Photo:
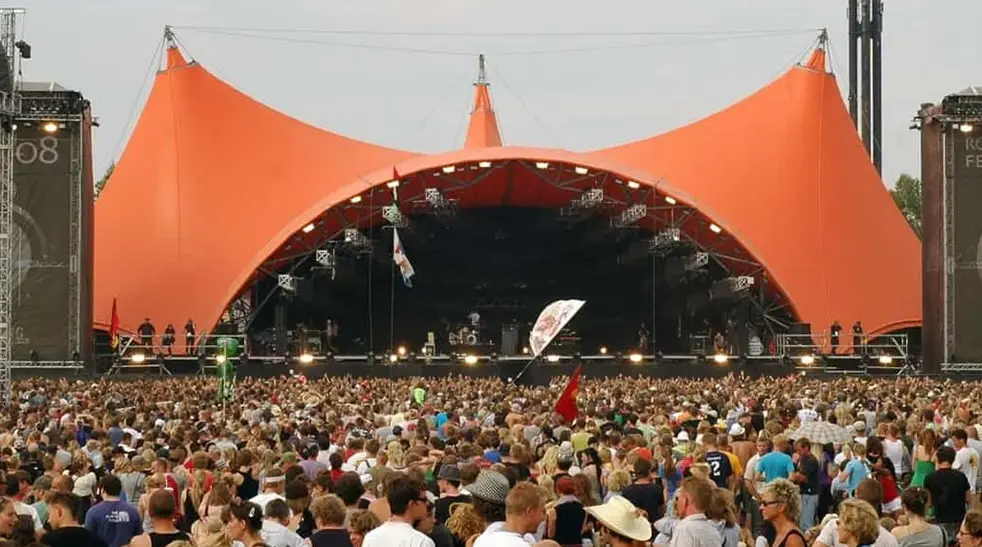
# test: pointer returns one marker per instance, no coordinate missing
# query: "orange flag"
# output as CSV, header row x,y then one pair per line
x,y
114,328
566,405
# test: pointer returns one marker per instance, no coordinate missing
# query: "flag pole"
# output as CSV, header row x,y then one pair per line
x,y
392,301
525,368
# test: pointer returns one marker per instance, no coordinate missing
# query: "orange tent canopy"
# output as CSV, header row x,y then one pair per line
x,y
212,183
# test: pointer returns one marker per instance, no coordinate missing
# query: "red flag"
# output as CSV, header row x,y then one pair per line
x,y
114,328
566,405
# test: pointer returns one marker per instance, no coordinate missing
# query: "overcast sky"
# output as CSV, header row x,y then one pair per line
x,y
578,92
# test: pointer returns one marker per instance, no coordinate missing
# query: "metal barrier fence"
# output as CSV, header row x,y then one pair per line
x,y
893,345
205,344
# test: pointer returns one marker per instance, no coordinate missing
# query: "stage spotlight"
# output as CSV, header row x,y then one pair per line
x,y
966,128
670,200
716,229
220,358
525,350
542,164
635,358
449,169
49,127
807,360
552,358
138,358
306,358
721,358
470,359
392,184
401,350
603,350
308,228
886,360
484,164
356,199
633,185
581,170
393,358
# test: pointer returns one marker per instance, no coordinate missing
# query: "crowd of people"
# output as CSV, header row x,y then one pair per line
x,y
468,462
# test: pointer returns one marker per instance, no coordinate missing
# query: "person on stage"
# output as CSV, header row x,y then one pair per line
x,y
189,337
834,331
643,335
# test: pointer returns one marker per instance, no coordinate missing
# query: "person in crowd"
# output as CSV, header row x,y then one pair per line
x,y
858,523
694,497
950,491
275,529
360,524
871,492
647,491
524,512
918,532
776,464
807,476
970,530
329,530
8,518
246,524
407,504
65,528
112,519
780,505
448,481
566,518
162,510
620,523
274,483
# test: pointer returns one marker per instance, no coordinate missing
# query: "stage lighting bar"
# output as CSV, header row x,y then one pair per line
x,y
589,199
697,261
395,217
962,106
741,283
287,282
667,238
326,258
438,202
356,239
631,215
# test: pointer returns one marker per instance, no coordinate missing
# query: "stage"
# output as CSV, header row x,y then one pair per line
x,y
506,368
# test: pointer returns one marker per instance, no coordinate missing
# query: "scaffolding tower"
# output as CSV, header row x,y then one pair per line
x,y
9,108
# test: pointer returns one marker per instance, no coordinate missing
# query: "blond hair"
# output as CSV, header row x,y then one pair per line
x,y
860,519
787,494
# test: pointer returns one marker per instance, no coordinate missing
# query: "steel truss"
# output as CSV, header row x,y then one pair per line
x,y
9,108
564,176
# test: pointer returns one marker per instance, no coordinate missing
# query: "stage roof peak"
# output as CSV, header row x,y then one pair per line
x,y
482,131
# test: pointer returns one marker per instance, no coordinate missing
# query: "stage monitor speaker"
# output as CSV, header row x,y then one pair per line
x,y
51,278
963,298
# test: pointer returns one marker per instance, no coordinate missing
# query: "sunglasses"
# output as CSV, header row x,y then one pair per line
x,y
764,503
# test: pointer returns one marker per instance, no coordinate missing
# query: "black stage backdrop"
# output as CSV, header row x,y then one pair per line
x,y
40,248
967,172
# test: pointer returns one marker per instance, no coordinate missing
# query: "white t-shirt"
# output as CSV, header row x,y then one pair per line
x,y
277,535
396,534
895,451
967,461
262,499
830,536
495,535
25,510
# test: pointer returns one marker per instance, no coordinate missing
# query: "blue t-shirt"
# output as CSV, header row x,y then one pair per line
x,y
775,465
116,522
492,456
856,472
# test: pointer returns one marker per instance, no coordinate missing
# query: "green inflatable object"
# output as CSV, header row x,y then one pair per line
x,y
228,346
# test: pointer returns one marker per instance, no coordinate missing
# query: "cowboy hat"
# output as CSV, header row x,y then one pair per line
x,y
621,517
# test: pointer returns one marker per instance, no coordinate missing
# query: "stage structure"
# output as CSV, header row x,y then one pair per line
x,y
52,212
740,190
951,147
10,54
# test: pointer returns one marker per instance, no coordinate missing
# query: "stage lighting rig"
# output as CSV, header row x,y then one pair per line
x,y
356,240
327,259
697,261
439,203
287,282
630,215
739,284
394,216
666,238
592,197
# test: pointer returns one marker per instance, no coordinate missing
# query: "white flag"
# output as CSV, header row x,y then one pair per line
x,y
551,320
401,260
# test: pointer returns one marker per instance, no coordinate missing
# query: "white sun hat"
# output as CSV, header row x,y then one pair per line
x,y
621,517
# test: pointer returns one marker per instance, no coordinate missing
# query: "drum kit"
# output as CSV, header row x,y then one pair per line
x,y
464,336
